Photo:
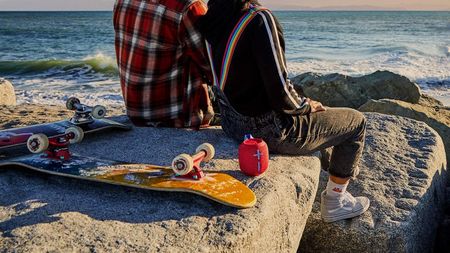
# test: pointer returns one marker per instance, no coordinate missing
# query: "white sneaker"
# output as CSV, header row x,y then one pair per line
x,y
341,208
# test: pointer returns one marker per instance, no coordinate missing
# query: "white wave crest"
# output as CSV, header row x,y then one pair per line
x,y
416,67
427,71
102,60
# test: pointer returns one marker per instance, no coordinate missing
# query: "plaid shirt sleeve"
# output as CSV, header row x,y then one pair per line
x,y
199,107
194,43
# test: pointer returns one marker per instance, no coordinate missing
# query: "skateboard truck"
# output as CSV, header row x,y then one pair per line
x,y
84,114
188,167
56,147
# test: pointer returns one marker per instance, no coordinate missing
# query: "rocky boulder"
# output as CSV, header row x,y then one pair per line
x,y
43,213
437,117
427,100
403,173
7,94
344,91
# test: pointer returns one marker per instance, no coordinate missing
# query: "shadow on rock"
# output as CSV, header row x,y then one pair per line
x,y
37,198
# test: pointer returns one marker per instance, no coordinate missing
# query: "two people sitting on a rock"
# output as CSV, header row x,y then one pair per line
x,y
163,65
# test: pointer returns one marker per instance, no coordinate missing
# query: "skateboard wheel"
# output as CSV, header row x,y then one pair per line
x,y
70,103
209,149
37,143
98,112
182,164
77,132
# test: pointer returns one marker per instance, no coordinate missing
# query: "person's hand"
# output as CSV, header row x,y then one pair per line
x,y
316,106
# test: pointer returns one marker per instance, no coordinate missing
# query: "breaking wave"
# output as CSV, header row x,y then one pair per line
x,y
99,63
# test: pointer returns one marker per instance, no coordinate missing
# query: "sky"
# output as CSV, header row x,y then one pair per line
x,y
444,5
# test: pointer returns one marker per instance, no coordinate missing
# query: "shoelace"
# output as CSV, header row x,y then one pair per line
x,y
348,198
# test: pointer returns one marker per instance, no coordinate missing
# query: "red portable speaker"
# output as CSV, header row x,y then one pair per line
x,y
253,156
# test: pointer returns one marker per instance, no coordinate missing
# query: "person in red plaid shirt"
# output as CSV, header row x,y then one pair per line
x,y
163,65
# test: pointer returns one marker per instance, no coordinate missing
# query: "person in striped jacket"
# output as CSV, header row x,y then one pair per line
x,y
247,53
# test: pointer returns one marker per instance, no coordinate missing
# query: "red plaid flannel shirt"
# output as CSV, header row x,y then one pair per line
x,y
163,65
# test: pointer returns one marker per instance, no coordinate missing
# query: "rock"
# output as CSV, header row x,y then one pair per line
x,y
344,91
430,101
7,94
437,117
404,175
49,213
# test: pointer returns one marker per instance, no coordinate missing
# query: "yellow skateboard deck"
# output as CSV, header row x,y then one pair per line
x,y
219,187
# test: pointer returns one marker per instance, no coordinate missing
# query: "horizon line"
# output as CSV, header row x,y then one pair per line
x,y
274,9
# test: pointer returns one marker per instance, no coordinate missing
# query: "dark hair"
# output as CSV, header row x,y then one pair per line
x,y
220,16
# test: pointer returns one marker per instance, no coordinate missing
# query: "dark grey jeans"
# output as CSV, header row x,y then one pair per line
x,y
341,128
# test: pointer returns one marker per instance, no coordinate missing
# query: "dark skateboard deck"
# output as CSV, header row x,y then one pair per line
x,y
12,141
219,187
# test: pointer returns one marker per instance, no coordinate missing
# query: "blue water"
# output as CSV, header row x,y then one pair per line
x,y
51,55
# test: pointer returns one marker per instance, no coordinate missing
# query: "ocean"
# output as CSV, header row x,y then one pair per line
x,y
50,56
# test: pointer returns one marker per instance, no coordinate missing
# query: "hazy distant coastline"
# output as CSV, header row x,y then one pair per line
x,y
280,9
351,8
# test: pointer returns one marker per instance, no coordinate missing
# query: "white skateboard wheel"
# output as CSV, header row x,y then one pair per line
x,y
182,164
98,112
78,132
70,103
209,149
37,143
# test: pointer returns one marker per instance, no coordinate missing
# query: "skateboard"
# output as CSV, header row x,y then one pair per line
x,y
88,119
51,155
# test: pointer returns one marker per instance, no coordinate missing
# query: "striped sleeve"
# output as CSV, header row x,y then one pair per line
x,y
268,50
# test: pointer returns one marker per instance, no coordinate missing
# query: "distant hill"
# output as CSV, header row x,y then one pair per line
x,y
356,8
280,6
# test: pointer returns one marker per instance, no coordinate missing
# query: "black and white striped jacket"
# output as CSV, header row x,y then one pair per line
x,y
258,78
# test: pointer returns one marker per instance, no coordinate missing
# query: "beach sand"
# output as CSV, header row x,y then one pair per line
x,y
29,114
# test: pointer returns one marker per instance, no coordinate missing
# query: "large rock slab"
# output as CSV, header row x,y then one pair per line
x,y
47,213
437,117
403,173
7,94
345,91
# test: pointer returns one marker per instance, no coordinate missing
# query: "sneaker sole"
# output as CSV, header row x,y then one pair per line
x,y
346,216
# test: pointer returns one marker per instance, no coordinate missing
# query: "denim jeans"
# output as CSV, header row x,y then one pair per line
x,y
341,128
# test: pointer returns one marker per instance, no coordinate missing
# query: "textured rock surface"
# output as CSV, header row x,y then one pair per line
x,y
344,91
437,117
403,173
427,100
7,94
48,213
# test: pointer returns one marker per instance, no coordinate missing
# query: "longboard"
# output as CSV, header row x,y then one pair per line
x,y
219,187
186,177
16,138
